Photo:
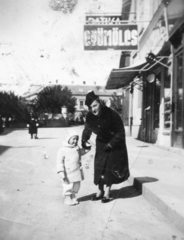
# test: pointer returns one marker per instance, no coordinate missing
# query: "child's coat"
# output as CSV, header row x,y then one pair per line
x,y
69,161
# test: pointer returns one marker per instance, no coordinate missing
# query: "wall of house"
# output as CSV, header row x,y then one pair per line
x,y
80,108
153,39
153,42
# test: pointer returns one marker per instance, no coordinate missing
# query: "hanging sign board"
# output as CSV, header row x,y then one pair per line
x,y
111,37
102,20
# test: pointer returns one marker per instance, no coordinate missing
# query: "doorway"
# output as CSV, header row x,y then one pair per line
x,y
178,106
151,114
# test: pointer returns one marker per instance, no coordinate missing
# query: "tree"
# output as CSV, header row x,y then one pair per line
x,y
13,106
51,99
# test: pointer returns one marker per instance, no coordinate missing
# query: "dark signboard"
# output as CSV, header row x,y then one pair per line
x,y
110,37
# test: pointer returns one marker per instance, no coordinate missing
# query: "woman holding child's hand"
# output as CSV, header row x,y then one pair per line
x,y
111,158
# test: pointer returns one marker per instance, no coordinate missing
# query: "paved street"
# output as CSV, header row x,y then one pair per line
x,y
31,203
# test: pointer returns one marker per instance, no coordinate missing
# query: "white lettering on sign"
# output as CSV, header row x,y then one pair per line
x,y
104,20
111,37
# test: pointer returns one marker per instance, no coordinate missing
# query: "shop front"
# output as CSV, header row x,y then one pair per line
x,y
151,107
177,41
160,119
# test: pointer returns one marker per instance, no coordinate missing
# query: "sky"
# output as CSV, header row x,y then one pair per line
x,y
39,45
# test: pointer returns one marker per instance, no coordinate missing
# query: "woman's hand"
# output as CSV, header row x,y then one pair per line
x,y
85,146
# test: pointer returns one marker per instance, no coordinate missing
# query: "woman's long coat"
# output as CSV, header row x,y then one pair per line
x,y
33,126
109,128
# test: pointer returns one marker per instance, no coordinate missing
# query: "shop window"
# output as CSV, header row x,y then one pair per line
x,y
124,60
167,98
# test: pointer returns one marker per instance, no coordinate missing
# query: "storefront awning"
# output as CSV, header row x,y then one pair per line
x,y
122,77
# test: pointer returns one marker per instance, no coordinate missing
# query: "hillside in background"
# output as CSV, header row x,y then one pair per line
x,y
39,45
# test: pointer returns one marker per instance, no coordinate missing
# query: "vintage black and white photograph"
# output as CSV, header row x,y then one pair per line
x,y
91,119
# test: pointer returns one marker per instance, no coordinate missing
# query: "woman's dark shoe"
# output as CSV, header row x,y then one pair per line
x,y
105,200
95,198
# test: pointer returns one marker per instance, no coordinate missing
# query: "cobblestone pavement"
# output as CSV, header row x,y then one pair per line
x,y
31,203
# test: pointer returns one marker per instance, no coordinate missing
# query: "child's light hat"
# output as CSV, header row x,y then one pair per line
x,y
71,133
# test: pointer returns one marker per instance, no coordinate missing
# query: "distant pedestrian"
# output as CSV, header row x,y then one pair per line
x,y
7,122
44,122
111,158
33,128
69,167
81,119
1,125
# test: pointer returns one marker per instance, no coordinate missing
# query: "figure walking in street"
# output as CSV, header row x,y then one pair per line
x,y
69,167
1,124
111,158
33,128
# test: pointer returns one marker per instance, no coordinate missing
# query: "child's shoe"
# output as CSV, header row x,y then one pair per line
x,y
68,201
74,200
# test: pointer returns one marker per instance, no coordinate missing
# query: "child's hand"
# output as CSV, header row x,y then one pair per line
x,y
62,175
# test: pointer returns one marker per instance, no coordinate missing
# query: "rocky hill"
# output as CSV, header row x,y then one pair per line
x,y
39,45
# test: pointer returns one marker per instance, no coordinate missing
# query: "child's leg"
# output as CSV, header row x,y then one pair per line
x,y
67,192
76,187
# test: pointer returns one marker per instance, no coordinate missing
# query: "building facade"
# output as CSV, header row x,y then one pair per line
x,y
79,92
155,74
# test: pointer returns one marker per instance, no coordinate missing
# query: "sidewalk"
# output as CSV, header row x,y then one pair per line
x,y
159,175
31,203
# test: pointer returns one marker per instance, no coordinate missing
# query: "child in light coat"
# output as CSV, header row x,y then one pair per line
x,y
69,167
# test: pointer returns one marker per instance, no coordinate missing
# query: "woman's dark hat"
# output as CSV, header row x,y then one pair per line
x,y
90,97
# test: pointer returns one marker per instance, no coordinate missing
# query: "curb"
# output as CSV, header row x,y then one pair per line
x,y
171,149
155,195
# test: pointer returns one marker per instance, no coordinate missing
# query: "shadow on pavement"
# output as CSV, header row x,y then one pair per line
x,y
142,146
7,131
125,192
85,198
26,147
4,148
47,138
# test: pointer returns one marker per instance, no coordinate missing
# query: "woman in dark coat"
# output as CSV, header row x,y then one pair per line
x,y
33,126
111,158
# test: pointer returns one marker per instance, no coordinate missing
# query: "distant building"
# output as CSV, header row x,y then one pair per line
x,y
79,92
